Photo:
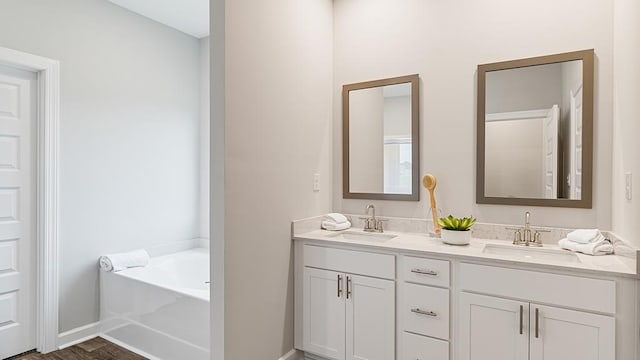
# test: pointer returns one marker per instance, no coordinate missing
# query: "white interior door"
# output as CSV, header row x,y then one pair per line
x,y
575,118
550,137
17,245
370,318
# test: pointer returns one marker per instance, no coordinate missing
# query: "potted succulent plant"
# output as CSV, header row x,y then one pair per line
x,y
456,231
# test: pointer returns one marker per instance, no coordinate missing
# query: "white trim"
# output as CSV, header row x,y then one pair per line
x,y
292,355
174,247
128,347
78,335
47,191
517,115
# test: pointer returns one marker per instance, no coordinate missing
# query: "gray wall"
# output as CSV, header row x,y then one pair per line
x,y
626,114
278,134
129,133
444,41
530,88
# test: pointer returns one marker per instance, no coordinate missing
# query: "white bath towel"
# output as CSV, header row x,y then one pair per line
x,y
118,262
337,218
330,225
585,236
602,247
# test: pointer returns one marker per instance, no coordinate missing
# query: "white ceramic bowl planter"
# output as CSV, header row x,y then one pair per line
x,y
455,237
456,231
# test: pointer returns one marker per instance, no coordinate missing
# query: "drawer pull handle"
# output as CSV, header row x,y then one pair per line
x,y
349,287
339,285
424,272
423,312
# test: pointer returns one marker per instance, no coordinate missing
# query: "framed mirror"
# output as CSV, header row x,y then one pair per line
x,y
535,131
380,139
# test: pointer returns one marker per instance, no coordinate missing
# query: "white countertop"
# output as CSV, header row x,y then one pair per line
x,y
424,245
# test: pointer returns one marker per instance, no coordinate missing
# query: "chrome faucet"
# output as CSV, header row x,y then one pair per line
x,y
372,224
526,232
523,236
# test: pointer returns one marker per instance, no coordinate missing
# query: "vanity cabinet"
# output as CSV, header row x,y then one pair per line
x,y
494,328
348,315
357,303
567,334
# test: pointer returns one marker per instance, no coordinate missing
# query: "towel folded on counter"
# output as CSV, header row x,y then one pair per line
x,y
330,225
121,261
600,247
336,218
335,222
585,236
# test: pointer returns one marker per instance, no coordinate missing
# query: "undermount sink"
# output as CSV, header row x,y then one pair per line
x,y
529,253
363,236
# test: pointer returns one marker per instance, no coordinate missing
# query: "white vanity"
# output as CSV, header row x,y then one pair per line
x,y
407,296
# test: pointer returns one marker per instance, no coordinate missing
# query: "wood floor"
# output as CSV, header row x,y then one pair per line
x,y
94,349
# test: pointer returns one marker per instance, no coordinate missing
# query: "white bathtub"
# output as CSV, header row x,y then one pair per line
x,y
162,310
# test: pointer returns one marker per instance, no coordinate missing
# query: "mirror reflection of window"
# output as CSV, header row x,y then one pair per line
x,y
380,121
397,139
380,150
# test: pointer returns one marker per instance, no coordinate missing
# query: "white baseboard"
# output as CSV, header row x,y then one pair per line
x,y
78,335
292,355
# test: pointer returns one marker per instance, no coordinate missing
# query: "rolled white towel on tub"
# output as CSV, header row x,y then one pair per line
x,y
121,261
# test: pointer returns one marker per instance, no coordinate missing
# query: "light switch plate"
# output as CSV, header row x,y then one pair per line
x,y
316,182
628,185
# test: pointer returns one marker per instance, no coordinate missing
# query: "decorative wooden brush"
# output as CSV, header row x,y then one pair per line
x,y
429,181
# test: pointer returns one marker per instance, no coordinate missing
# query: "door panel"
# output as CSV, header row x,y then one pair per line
x,y
491,329
550,146
370,318
567,334
324,313
17,247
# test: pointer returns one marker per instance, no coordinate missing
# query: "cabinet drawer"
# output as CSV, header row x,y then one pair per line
x,y
570,291
425,271
423,348
351,261
425,310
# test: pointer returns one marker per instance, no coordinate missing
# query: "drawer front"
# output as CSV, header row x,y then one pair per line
x,y
423,348
425,310
351,261
425,271
570,291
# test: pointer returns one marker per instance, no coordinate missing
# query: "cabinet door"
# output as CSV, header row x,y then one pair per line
x,y
324,313
370,318
566,334
492,328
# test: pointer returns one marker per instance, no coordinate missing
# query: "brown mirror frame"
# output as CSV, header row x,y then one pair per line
x,y
587,57
415,138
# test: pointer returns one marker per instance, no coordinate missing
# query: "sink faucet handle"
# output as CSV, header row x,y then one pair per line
x,y
517,235
379,222
537,238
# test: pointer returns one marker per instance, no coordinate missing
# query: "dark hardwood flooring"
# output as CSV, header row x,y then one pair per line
x,y
94,349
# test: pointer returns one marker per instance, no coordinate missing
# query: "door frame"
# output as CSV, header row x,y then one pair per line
x,y
46,192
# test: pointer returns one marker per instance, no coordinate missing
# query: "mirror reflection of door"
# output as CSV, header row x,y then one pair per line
x,y
575,150
533,132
